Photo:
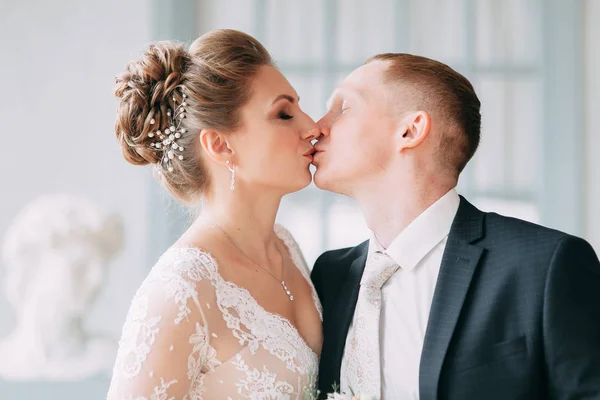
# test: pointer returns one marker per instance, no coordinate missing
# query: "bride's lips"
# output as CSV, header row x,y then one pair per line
x,y
309,154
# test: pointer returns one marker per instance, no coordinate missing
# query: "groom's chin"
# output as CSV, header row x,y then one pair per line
x,y
317,178
320,179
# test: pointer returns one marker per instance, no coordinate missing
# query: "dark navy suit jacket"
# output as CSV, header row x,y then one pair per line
x,y
515,313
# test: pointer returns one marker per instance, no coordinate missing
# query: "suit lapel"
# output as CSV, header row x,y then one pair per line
x,y
342,315
456,272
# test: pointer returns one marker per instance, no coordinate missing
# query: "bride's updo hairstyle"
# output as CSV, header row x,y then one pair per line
x,y
169,95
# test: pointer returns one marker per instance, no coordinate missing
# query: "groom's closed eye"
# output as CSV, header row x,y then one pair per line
x,y
334,104
337,106
344,108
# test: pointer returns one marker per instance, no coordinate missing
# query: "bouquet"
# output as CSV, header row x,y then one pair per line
x,y
337,395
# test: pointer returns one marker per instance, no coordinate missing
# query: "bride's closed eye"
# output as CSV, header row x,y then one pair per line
x,y
283,115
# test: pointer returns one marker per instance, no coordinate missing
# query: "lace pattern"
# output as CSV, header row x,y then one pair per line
x,y
160,392
180,313
139,333
261,384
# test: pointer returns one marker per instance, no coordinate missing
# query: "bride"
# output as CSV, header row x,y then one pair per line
x,y
229,310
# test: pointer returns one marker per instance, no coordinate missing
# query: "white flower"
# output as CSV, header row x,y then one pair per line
x,y
346,396
337,396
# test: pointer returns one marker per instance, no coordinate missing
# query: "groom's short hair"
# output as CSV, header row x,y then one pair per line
x,y
442,92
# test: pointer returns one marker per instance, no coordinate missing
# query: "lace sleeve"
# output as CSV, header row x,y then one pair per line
x,y
292,245
164,345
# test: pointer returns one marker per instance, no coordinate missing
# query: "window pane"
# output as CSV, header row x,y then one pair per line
x,y
438,29
508,31
507,160
364,29
490,159
310,88
295,30
217,15
525,133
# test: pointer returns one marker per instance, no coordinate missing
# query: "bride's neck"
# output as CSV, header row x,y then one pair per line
x,y
247,216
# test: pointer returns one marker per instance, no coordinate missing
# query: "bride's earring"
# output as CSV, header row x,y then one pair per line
x,y
232,169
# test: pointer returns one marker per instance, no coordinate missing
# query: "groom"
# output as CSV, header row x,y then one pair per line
x,y
444,301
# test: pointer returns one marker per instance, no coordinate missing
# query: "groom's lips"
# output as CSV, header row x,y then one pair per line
x,y
318,151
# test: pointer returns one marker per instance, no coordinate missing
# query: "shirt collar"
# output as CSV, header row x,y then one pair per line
x,y
421,235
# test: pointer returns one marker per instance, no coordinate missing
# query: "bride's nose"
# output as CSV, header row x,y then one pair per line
x,y
310,129
311,134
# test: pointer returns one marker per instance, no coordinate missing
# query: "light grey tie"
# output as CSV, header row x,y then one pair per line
x,y
362,369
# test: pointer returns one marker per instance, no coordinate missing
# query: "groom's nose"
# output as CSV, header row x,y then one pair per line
x,y
324,125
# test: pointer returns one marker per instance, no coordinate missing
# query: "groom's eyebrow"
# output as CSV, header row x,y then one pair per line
x,y
340,92
332,98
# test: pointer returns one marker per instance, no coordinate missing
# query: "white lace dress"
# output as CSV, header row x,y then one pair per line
x,y
190,334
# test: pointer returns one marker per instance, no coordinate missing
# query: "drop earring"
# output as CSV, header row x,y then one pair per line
x,y
232,169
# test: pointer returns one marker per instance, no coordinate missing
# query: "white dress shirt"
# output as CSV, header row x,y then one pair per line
x,y
408,294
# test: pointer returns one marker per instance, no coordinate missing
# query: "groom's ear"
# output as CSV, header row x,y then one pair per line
x,y
215,145
413,130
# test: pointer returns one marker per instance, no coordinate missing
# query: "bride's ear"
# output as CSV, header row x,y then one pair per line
x,y
215,145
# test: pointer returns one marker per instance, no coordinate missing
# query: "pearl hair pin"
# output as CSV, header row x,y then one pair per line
x,y
167,139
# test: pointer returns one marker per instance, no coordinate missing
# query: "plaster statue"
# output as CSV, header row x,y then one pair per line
x,y
55,257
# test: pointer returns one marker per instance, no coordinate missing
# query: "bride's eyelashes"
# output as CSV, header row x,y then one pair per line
x,y
284,116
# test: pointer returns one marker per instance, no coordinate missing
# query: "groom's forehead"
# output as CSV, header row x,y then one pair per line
x,y
370,73
363,82
348,91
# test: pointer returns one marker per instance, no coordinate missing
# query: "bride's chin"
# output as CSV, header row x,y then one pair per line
x,y
302,183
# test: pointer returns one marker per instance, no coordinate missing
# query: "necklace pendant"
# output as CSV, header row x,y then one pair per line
x,y
287,291
285,288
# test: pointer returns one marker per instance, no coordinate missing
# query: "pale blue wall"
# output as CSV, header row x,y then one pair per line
x,y
58,65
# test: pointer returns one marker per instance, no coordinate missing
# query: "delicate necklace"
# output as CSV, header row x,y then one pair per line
x,y
281,281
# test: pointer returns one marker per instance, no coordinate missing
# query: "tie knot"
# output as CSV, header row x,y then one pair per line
x,y
379,268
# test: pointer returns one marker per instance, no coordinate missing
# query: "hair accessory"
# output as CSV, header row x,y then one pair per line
x,y
167,139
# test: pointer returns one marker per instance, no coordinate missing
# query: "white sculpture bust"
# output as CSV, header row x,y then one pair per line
x,y
54,256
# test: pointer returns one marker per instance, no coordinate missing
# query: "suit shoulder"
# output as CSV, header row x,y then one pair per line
x,y
522,231
339,259
341,255
518,237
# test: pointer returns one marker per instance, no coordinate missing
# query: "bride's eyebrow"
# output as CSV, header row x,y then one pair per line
x,y
287,97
